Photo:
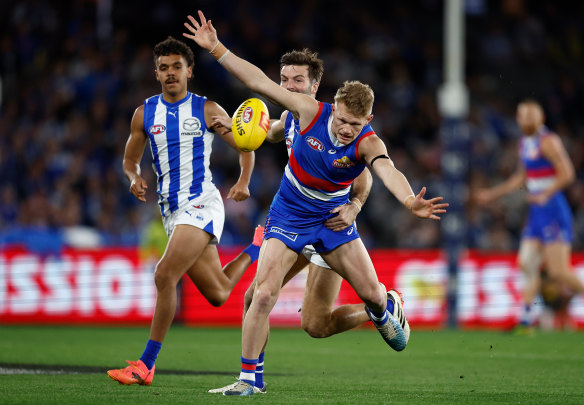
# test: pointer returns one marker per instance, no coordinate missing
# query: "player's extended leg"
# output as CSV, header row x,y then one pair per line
x,y
352,262
213,281
319,317
529,260
183,249
274,262
260,385
557,257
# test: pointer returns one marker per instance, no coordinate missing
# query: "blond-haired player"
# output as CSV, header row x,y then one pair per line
x,y
301,72
315,182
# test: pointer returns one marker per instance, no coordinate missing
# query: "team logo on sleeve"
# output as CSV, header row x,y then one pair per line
x,y
315,144
343,163
157,129
191,127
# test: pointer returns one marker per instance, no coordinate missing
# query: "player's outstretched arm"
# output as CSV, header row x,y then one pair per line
x,y
205,35
372,149
133,155
487,195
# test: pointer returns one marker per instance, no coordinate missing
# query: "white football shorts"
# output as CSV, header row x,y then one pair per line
x,y
310,253
205,212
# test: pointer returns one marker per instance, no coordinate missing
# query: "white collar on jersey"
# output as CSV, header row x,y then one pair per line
x,y
332,137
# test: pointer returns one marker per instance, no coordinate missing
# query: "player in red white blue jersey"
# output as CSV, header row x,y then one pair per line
x,y
176,125
322,183
301,72
545,169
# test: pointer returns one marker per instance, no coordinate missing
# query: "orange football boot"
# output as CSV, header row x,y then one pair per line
x,y
135,373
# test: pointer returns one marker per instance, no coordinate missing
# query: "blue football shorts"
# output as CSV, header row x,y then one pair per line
x,y
551,222
293,232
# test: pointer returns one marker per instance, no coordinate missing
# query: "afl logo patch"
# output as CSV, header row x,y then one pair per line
x,y
314,144
288,143
157,129
247,115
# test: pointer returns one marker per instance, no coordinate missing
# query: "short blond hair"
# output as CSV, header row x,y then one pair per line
x,y
357,97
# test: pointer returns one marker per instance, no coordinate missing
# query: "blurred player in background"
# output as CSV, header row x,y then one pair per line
x,y
335,145
176,123
301,72
545,168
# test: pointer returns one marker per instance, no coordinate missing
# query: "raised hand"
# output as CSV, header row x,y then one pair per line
x,y
428,208
203,33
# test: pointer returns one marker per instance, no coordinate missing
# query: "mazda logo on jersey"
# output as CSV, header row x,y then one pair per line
x,y
191,124
157,129
192,127
315,144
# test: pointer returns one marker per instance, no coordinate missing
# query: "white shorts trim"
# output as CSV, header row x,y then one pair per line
x,y
205,212
313,257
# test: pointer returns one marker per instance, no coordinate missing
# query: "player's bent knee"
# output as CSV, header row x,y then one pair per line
x,y
315,330
216,298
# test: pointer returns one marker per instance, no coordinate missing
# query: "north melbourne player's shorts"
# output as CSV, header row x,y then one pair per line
x,y
205,212
310,253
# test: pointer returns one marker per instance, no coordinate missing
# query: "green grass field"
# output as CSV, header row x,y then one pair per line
x,y
441,367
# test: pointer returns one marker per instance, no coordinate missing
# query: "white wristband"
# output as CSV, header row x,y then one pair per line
x,y
222,58
359,205
406,200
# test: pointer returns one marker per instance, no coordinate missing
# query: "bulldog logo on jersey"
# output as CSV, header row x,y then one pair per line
x,y
192,127
157,129
343,163
315,144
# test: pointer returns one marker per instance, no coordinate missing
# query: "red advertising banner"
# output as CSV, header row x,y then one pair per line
x,y
79,286
488,295
112,286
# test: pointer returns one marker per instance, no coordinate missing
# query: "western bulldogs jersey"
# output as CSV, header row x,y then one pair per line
x,y
540,172
552,221
320,169
181,148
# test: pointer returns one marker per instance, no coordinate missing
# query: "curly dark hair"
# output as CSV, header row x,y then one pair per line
x,y
304,57
172,46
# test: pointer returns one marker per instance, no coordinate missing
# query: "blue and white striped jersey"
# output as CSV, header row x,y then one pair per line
x,y
181,148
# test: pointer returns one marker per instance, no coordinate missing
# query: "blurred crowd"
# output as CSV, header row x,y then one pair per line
x,y
73,72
